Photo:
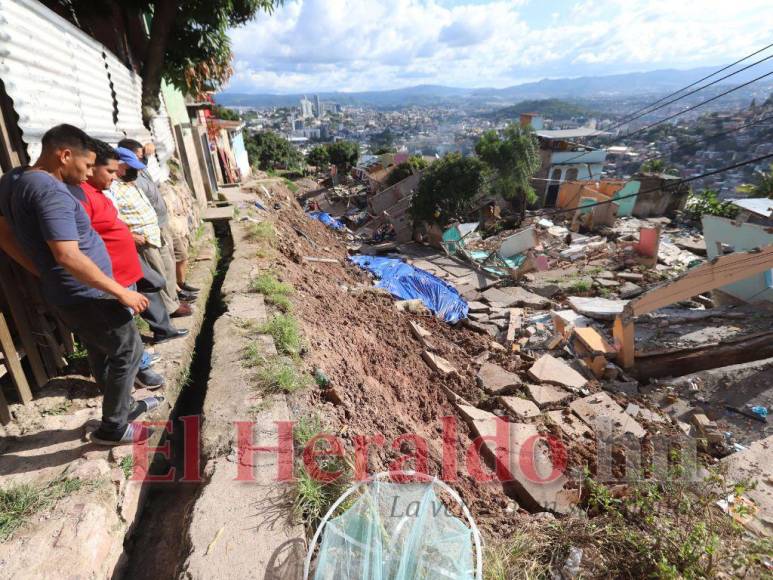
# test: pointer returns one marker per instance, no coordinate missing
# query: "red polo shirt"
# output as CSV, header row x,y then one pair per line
x,y
116,235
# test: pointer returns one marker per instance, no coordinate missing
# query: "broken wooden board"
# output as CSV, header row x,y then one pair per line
x,y
593,341
514,324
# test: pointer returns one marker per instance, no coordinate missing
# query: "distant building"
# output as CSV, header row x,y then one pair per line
x,y
307,109
318,106
563,158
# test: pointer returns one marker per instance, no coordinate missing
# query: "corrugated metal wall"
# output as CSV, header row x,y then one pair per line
x,y
55,73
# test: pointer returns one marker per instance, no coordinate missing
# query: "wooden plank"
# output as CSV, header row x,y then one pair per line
x,y
11,361
719,272
5,412
21,321
516,320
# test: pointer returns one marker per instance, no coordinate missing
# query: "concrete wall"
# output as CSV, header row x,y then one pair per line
x,y
572,192
655,200
391,195
741,236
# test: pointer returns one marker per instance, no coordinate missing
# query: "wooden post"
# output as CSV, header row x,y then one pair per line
x,y
11,360
21,320
5,412
623,332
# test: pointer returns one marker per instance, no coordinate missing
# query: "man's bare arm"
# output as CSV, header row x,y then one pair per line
x,y
68,255
11,247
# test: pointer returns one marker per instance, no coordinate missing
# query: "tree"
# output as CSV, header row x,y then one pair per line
x,y
318,157
656,166
220,112
188,43
448,188
763,187
343,154
267,150
513,158
707,202
405,169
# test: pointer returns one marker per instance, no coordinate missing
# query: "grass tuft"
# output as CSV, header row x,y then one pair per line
x,y
275,292
19,503
275,374
285,331
262,232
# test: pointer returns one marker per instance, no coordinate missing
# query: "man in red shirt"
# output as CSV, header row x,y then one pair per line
x,y
127,266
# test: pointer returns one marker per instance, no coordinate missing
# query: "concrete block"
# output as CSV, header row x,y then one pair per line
x,y
549,369
494,379
605,416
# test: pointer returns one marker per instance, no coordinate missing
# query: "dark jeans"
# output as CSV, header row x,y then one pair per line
x,y
107,330
156,314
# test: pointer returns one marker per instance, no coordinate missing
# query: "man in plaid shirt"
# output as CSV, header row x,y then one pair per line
x,y
137,212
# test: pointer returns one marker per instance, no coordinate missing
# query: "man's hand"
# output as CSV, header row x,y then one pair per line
x,y
134,300
139,240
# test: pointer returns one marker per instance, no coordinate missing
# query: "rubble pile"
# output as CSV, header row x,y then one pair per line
x,y
537,348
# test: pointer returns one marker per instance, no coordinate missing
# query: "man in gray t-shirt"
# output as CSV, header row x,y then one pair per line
x,y
46,230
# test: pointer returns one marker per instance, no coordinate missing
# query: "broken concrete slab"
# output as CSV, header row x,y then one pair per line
x,y
598,308
570,425
496,380
522,454
629,290
525,298
630,276
520,408
478,316
418,330
475,306
606,283
604,415
481,328
754,464
438,363
549,369
518,243
497,297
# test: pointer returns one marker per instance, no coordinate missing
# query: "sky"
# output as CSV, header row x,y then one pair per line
x,y
309,46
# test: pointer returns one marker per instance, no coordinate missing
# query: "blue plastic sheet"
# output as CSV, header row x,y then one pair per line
x,y
407,283
327,219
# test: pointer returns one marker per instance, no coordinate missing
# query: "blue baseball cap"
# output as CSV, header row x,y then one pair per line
x,y
127,156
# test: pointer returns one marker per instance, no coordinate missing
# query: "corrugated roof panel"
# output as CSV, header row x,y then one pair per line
x,y
53,72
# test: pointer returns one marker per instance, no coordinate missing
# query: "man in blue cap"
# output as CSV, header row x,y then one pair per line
x,y
136,211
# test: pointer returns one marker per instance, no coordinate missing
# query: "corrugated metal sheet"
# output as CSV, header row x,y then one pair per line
x,y
163,137
54,73
127,86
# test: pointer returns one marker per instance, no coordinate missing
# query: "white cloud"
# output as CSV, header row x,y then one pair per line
x,y
319,45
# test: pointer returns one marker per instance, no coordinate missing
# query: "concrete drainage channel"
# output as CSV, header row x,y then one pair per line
x,y
157,543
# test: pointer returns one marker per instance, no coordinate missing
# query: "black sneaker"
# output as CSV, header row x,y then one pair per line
x,y
189,288
178,333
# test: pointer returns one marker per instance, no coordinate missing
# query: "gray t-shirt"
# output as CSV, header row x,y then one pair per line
x,y
150,189
39,209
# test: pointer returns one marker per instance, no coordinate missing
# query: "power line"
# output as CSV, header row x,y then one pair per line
x,y
714,98
553,211
628,118
710,138
688,109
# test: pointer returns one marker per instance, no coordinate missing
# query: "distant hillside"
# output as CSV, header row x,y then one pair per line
x,y
629,84
551,108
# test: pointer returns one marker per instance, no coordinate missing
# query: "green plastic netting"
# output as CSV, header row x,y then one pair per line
x,y
398,532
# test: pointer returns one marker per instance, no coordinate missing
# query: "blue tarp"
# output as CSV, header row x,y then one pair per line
x,y
327,219
407,283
